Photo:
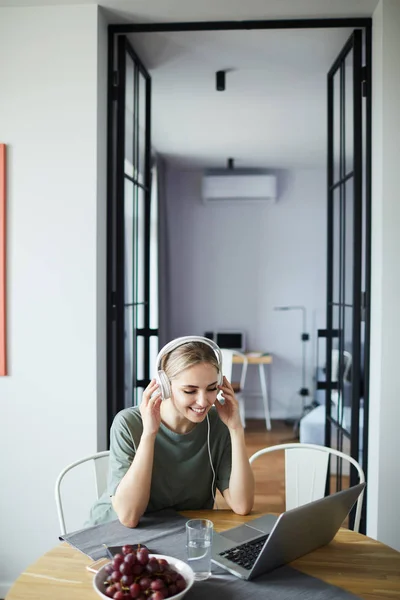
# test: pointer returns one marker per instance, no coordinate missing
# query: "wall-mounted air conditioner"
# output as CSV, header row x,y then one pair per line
x,y
234,185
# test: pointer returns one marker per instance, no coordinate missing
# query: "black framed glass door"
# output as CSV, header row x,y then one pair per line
x,y
132,230
348,257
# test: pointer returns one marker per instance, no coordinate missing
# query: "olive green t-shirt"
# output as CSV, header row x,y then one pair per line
x,y
182,474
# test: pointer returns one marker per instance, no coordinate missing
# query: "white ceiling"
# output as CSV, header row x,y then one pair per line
x,y
273,112
185,10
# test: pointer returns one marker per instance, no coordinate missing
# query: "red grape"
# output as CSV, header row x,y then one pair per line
x,y
119,557
135,590
167,578
180,584
127,549
125,569
117,562
138,576
157,584
144,583
172,589
126,580
153,563
173,576
137,569
130,559
142,556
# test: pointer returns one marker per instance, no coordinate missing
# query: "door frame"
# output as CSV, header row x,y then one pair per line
x,y
338,289
276,24
119,48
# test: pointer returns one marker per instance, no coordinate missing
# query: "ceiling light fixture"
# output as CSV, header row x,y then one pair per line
x,y
220,81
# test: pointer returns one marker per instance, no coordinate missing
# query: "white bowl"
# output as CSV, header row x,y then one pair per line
x,y
179,566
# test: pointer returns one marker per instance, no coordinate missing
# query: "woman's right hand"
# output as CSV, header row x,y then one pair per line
x,y
150,408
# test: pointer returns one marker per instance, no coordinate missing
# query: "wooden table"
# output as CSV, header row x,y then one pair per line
x,y
352,561
261,361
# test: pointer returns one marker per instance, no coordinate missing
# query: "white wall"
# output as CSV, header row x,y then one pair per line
x,y
230,265
384,467
52,109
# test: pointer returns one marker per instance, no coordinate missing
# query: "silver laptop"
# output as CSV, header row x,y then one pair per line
x,y
268,542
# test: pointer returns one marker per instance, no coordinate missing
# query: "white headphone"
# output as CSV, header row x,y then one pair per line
x,y
161,376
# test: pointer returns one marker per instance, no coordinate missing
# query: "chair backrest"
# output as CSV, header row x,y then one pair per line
x,y
306,468
100,464
227,364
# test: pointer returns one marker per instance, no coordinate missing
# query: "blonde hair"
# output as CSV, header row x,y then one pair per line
x,y
187,355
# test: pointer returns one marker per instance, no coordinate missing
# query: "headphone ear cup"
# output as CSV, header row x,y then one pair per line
x,y
165,387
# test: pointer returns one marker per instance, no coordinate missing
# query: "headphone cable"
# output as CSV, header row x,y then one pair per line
x,y
212,467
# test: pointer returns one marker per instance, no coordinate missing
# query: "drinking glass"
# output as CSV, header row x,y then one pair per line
x,y
199,534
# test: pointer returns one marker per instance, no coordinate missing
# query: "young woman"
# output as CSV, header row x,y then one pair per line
x,y
173,453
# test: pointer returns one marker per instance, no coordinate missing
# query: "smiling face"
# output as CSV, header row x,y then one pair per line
x,y
194,391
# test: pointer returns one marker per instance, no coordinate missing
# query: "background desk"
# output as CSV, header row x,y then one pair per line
x,y
261,361
352,561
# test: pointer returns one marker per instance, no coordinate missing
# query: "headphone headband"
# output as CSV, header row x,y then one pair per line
x,y
160,374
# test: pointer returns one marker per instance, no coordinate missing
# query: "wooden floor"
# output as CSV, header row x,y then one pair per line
x,y
269,471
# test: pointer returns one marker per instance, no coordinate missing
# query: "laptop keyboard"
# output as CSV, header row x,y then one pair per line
x,y
246,554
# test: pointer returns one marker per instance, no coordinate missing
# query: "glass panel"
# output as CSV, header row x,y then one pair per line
x,y
334,465
129,114
135,127
336,324
140,357
154,346
348,109
154,252
364,194
363,424
138,395
336,126
336,246
140,255
339,468
347,359
142,128
129,240
129,355
348,250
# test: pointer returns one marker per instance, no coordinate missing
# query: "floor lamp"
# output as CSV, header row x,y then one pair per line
x,y
304,391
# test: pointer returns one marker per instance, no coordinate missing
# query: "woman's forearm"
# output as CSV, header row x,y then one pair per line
x,y
132,496
240,496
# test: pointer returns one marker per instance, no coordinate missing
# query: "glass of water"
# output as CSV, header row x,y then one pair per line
x,y
199,534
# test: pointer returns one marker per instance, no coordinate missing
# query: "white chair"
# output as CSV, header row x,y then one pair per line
x,y
100,463
227,367
306,467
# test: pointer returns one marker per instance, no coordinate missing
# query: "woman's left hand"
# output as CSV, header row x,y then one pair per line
x,y
229,411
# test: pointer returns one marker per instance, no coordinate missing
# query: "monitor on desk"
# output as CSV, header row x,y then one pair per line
x,y
230,339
